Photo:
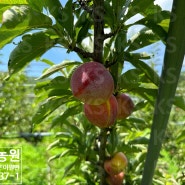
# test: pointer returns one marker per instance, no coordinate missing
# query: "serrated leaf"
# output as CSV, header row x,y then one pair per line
x,y
68,112
70,166
151,74
139,140
181,137
46,108
153,21
15,15
132,79
31,46
83,32
61,92
136,120
59,82
54,144
140,105
144,7
55,8
54,157
58,67
67,18
148,94
141,39
20,19
179,102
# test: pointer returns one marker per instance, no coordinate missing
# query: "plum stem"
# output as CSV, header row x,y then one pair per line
x,y
103,141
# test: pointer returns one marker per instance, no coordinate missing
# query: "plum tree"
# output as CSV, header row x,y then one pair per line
x,y
92,83
125,106
103,115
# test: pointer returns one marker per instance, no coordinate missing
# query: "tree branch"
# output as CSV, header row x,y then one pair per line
x,y
82,52
98,15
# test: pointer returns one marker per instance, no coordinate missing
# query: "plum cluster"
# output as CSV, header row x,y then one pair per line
x,y
93,84
115,168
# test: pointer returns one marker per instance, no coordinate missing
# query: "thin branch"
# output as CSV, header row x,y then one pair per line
x,y
82,52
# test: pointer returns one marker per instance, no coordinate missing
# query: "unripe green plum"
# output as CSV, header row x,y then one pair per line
x,y
92,83
103,115
125,106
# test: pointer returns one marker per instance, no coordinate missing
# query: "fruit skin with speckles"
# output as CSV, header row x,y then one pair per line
x,y
125,106
103,115
116,164
115,179
92,83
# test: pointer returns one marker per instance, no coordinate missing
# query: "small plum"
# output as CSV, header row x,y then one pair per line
x,y
103,115
125,106
116,164
115,179
92,83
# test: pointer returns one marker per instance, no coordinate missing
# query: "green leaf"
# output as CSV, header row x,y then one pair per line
x,y
109,15
15,15
58,82
13,2
153,21
68,18
139,140
68,112
70,166
46,108
179,102
151,74
141,39
58,67
55,8
83,32
19,19
31,46
133,78
37,5
144,7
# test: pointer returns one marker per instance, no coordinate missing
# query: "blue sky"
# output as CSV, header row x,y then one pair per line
x,y
57,55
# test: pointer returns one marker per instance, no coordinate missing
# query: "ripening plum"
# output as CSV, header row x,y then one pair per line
x,y
116,164
125,106
103,115
115,179
92,83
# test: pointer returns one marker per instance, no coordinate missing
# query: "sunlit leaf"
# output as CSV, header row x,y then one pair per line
x,y
141,39
19,19
46,108
58,67
31,46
